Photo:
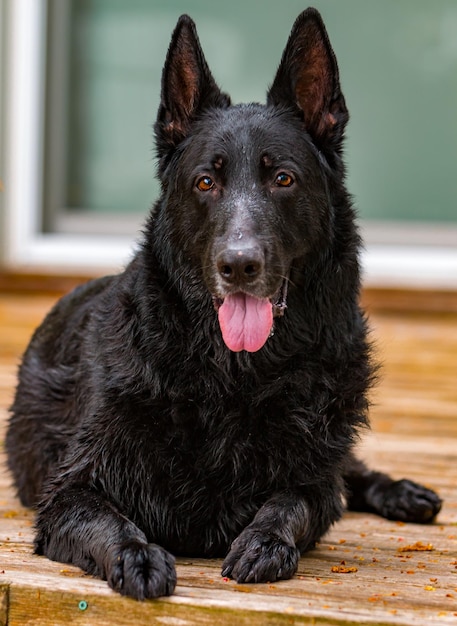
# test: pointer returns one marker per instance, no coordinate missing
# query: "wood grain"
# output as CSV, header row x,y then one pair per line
x,y
414,433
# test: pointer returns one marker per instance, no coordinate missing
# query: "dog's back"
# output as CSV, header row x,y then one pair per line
x,y
47,410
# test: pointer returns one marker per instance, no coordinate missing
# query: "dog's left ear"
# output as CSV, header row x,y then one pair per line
x,y
188,87
308,79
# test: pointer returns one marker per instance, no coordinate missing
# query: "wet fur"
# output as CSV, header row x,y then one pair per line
x,y
134,431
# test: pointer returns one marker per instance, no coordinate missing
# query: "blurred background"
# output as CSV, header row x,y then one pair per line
x,y
80,90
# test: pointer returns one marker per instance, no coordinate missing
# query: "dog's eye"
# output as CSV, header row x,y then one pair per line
x,y
284,180
205,183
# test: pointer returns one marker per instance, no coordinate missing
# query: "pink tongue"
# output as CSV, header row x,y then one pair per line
x,y
245,322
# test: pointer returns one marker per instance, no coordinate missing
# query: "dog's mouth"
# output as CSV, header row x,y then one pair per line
x,y
246,321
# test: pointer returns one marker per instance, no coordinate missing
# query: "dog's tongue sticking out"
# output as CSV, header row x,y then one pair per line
x,y
245,322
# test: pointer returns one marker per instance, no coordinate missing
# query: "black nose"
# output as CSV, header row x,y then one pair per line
x,y
239,265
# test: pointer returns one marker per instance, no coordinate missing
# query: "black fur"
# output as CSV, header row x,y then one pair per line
x,y
135,431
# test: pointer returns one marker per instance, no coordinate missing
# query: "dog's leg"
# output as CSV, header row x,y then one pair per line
x,y
284,527
78,526
402,500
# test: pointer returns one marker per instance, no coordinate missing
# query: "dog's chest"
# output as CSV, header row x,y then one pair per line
x,y
241,446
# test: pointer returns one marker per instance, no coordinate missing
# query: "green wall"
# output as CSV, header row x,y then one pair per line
x,y
398,65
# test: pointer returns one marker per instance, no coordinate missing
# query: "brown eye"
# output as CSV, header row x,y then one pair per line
x,y
205,183
284,180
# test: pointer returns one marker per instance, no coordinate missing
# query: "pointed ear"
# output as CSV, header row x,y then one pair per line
x,y
188,87
308,78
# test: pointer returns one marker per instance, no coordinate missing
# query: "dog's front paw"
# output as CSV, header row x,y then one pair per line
x,y
258,557
407,501
140,570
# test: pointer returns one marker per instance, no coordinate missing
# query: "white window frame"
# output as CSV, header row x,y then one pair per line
x,y
24,244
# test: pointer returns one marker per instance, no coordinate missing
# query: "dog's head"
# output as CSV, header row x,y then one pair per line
x,y
246,187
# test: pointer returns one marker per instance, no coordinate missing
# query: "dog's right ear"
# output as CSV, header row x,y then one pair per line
x,y
188,87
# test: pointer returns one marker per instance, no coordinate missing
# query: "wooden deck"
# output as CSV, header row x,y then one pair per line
x,y
398,574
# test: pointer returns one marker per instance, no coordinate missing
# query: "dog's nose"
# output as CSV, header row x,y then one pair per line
x,y
240,265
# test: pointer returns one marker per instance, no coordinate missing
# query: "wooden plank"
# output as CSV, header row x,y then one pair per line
x,y
418,390
414,435
401,299
47,281
4,602
51,281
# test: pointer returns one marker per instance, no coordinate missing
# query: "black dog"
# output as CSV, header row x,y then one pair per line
x,y
206,400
